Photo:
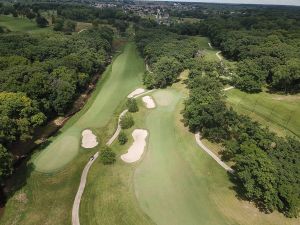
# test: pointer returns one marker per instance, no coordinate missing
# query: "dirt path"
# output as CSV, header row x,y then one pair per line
x,y
208,151
76,205
219,56
209,44
228,88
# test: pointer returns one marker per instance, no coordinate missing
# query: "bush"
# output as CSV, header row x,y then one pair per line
x,y
122,138
107,156
132,105
127,122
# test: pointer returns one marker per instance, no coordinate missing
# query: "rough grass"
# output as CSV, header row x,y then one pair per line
x,y
21,24
280,113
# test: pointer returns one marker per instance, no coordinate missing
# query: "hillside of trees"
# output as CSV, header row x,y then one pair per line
x,y
265,42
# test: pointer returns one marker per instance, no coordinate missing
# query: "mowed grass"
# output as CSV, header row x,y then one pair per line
x,y
124,76
178,183
280,113
47,198
21,24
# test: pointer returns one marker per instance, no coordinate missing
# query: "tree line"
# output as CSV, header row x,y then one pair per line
x,y
265,42
266,166
40,77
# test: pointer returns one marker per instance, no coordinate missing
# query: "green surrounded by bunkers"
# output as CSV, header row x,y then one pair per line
x,y
175,182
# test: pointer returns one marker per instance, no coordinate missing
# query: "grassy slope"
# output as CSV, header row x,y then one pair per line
x,y
125,74
279,112
177,183
21,24
48,198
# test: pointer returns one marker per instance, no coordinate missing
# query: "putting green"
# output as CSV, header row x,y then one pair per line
x,y
177,183
122,77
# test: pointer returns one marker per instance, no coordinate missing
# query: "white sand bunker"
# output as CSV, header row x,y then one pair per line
x,y
136,150
136,92
89,140
150,104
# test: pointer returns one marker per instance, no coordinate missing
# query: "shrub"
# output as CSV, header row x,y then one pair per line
x,y
127,122
122,138
107,156
132,105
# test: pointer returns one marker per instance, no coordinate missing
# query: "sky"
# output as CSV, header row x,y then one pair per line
x,y
270,2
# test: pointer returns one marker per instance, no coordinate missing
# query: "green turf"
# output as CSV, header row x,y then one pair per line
x,y
123,77
178,183
280,113
21,24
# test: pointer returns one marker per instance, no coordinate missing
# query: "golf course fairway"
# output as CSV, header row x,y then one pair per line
x,y
177,183
123,76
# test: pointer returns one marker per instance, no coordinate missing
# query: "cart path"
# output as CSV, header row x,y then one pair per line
x,y
75,209
118,130
208,151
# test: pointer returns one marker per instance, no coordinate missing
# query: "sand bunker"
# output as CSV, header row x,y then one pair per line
x,y
89,140
136,92
150,104
136,150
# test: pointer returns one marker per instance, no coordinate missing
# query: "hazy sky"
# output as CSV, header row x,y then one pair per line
x,y
273,2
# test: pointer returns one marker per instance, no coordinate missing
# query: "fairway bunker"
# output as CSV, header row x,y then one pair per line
x,y
136,150
149,102
136,92
89,140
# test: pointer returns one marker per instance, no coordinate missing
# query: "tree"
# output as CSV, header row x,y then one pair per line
x,y
251,76
127,121
165,72
122,138
257,174
6,166
18,117
59,24
287,77
69,26
132,105
107,156
41,21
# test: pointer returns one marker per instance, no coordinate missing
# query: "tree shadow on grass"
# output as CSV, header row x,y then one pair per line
x,y
240,193
23,168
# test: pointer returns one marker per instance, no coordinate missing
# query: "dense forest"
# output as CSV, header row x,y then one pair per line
x,y
266,166
265,42
41,75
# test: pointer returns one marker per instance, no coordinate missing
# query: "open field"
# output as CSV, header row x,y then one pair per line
x,y
280,113
47,198
21,24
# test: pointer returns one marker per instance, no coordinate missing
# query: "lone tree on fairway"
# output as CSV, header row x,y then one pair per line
x,y
132,105
127,122
107,156
122,138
